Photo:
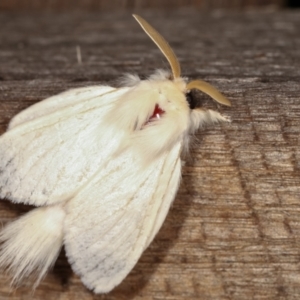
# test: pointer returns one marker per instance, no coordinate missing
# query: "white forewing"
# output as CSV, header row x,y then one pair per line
x,y
166,190
57,102
121,209
45,160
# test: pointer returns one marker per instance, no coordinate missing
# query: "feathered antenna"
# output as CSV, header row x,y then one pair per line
x,y
162,44
175,66
209,90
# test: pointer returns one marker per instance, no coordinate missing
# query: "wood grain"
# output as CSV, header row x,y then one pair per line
x,y
234,229
113,5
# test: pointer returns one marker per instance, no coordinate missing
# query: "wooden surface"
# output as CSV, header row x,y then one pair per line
x,y
113,5
234,229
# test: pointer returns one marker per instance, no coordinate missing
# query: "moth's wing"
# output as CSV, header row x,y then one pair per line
x,y
57,102
45,160
114,217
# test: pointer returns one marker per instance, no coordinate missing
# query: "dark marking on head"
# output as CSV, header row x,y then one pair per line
x,y
191,100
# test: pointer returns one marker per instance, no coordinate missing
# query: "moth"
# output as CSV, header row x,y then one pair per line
x,y
102,165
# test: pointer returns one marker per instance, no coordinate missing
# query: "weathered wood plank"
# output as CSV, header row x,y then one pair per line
x,y
113,5
234,229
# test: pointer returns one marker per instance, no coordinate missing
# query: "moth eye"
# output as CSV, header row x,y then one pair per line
x,y
191,100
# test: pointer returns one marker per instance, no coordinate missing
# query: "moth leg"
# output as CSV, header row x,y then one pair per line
x,y
201,117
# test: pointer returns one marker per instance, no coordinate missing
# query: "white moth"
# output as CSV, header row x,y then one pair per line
x,y
103,166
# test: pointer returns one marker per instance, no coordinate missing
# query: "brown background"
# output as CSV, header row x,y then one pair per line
x,y
92,5
234,229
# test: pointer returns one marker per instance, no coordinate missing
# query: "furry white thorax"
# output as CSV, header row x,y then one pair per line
x,y
131,114
178,122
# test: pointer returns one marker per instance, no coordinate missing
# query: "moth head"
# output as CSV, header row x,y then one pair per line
x,y
167,51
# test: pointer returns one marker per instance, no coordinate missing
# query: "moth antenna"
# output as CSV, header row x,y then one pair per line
x,y
209,90
162,44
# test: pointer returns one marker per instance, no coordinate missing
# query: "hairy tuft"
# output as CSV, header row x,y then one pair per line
x,y
31,244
